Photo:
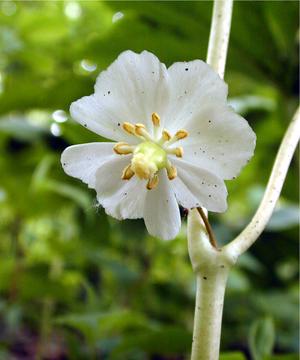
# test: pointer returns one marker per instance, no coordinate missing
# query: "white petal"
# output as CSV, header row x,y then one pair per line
x,y
104,117
219,140
132,88
82,161
122,199
192,85
196,187
162,216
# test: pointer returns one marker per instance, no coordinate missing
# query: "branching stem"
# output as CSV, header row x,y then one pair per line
x,y
259,221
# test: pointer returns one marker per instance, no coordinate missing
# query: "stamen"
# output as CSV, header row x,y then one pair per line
x,y
140,130
166,135
171,171
176,151
129,128
127,173
156,119
181,134
153,182
122,148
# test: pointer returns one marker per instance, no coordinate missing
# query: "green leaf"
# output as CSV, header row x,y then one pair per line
x,y
282,357
164,340
262,338
286,217
99,325
20,128
232,356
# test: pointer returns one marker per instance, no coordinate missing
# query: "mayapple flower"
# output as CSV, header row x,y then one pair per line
x,y
176,141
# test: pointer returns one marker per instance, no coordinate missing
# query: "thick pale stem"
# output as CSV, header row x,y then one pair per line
x,y
219,35
208,314
259,221
210,265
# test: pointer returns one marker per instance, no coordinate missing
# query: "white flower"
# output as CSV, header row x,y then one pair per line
x,y
177,140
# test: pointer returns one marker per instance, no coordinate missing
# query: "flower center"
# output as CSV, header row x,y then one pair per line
x,y
150,155
148,158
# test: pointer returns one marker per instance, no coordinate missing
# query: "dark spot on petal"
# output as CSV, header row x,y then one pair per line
x,y
204,277
209,121
108,92
209,196
215,185
85,125
186,69
119,124
64,164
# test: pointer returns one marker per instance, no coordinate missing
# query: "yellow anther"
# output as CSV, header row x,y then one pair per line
x,y
155,119
166,135
152,183
181,134
122,148
179,151
171,171
176,151
129,128
139,129
127,173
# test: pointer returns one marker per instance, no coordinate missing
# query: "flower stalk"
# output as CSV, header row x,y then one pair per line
x,y
219,35
210,264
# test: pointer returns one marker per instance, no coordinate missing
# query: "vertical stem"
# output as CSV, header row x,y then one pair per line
x,y
219,35
208,314
210,265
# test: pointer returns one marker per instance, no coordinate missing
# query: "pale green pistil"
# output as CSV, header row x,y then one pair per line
x,y
148,158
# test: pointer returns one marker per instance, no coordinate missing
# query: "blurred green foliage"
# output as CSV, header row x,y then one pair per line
x,y
76,284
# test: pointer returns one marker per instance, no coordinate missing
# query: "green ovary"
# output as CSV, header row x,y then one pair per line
x,y
148,158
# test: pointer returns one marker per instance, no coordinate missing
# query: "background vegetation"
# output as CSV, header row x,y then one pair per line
x,y
76,284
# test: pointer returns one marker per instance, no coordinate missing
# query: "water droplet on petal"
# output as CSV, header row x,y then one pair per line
x,y
59,116
117,16
55,129
88,65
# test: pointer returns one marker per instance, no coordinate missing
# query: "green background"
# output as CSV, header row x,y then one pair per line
x,y
76,284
